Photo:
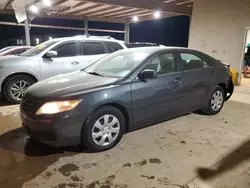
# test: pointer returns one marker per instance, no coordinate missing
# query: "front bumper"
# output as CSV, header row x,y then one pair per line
x,y
55,130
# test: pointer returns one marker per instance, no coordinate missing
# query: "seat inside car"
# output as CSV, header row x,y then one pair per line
x,y
193,64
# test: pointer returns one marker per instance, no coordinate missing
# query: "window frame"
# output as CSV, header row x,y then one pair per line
x,y
93,41
194,53
67,42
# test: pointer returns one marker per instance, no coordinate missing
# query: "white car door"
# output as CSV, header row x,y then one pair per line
x,y
92,51
68,59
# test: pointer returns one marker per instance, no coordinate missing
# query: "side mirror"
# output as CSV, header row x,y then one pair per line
x,y
51,54
147,73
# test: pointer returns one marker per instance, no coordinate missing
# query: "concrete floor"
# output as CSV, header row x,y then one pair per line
x,y
193,151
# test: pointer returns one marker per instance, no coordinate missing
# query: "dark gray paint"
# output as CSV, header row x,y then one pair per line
x,y
141,102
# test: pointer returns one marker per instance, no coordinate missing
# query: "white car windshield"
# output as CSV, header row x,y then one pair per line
x,y
118,64
38,49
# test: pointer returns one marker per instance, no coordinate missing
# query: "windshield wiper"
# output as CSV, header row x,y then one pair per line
x,y
95,73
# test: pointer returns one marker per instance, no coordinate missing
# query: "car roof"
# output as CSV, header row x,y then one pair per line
x,y
153,49
86,37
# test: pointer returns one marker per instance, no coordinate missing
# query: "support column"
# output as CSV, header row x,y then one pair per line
x,y
127,31
27,32
86,26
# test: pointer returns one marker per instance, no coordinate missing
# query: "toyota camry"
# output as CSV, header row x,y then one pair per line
x,y
123,91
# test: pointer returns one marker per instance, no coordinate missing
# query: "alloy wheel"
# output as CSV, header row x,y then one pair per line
x,y
18,89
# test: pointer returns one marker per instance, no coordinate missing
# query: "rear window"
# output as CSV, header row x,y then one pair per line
x,y
113,46
93,48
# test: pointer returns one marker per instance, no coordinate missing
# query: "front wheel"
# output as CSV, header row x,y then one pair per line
x,y
15,88
215,102
103,129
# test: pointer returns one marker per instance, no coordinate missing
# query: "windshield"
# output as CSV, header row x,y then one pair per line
x,y
6,48
38,49
118,64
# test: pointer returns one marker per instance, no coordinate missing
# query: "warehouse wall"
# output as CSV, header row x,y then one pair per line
x,y
218,28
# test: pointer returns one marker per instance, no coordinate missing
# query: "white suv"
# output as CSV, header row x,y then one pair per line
x,y
49,59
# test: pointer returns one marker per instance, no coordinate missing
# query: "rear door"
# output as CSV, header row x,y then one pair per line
x,y
198,77
158,97
92,51
67,60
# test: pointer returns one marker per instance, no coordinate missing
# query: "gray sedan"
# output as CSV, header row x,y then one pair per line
x,y
126,90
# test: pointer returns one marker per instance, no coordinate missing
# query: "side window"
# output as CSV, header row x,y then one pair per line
x,y
113,46
162,64
191,62
67,50
93,48
18,52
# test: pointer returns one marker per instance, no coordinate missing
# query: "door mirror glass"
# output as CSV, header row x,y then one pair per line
x,y
51,54
147,73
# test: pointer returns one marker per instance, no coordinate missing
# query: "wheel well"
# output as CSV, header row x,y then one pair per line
x,y
19,74
223,87
123,111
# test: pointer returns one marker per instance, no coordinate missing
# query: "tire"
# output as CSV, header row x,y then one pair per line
x,y
210,109
89,128
7,88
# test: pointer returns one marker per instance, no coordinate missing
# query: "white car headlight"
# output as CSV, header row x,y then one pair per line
x,y
57,107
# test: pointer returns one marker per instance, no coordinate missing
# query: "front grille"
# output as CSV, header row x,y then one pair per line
x,y
30,107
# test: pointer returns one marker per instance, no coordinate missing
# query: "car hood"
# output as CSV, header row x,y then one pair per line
x,y
12,59
68,84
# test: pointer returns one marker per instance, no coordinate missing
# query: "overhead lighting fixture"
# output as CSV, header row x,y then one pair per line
x,y
50,38
47,2
157,14
135,18
33,8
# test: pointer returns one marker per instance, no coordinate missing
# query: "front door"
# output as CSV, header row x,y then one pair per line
x,y
161,96
68,59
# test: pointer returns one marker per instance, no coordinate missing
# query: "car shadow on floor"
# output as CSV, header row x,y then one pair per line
x,y
4,102
232,160
22,159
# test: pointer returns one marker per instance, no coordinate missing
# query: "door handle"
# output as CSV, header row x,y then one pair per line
x,y
177,80
213,72
75,63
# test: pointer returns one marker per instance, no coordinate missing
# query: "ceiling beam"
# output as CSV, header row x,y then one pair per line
x,y
183,2
84,9
101,10
107,11
7,4
133,13
149,4
116,13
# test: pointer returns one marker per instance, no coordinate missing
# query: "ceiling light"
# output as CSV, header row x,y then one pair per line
x,y
34,9
135,19
47,2
157,14
37,40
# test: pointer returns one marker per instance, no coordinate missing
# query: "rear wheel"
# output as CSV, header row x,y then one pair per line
x,y
216,101
103,129
15,88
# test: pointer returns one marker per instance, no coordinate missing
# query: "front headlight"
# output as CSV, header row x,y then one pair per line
x,y
57,107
